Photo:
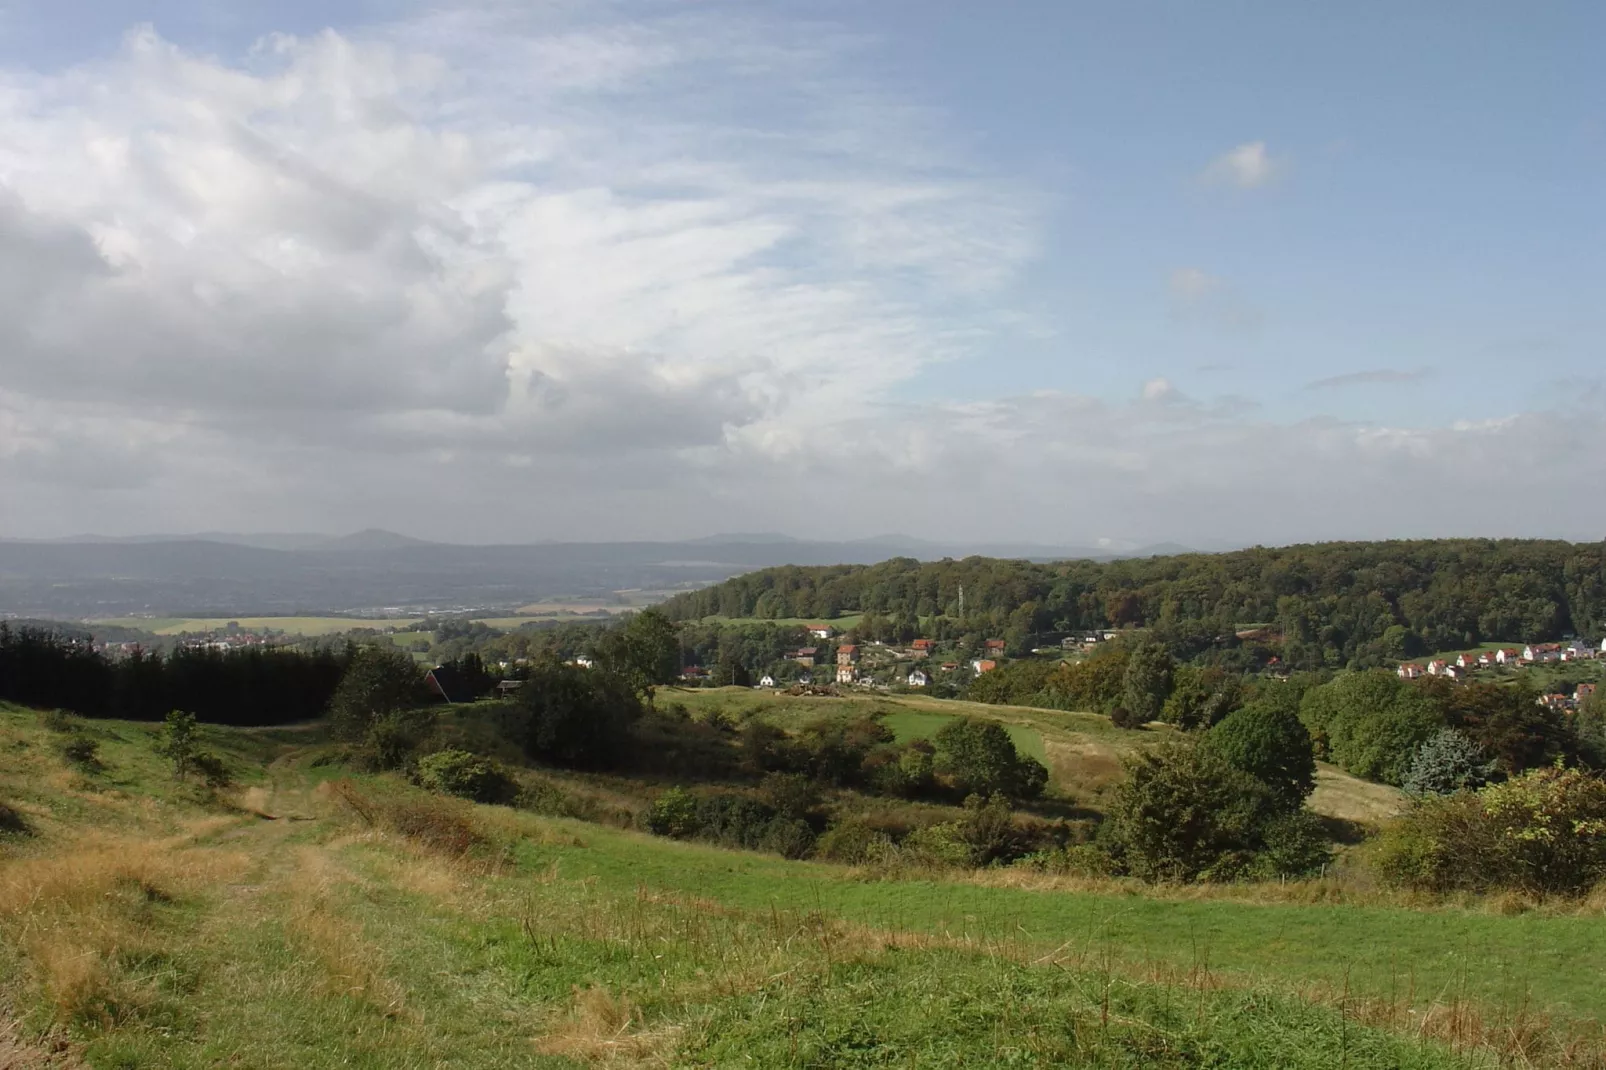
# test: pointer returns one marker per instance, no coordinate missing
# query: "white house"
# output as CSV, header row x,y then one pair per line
x,y
585,661
918,679
1466,661
1437,666
766,680
805,678
845,674
821,631
1410,670
1508,656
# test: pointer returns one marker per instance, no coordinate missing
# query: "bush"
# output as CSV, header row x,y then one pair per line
x,y
57,720
1292,845
979,758
215,772
379,681
1543,833
985,835
674,813
1447,763
1122,717
853,843
82,752
393,738
787,837
577,717
1185,813
467,776
1271,745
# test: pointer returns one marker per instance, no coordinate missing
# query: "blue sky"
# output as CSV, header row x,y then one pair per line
x,y
1102,270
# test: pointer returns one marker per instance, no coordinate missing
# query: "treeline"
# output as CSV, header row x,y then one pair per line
x,y
1326,605
254,686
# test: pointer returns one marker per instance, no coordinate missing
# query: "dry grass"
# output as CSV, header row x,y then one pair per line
x,y
1349,798
604,1029
351,965
1084,767
80,914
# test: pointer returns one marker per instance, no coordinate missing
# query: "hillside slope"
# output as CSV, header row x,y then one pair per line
x,y
312,918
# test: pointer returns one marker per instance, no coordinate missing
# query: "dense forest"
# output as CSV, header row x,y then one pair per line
x,y
48,668
1326,605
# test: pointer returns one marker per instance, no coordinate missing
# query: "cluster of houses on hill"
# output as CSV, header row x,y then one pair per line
x,y
852,663
1461,665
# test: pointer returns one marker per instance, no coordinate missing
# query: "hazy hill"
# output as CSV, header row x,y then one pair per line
x,y
221,574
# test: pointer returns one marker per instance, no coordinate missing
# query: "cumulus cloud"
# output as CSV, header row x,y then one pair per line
x,y
509,274
1247,166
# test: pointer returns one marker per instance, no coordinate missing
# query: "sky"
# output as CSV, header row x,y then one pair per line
x,y
1117,272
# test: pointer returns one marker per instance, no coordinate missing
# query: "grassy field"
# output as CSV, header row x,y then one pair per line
x,y
312,918
310,626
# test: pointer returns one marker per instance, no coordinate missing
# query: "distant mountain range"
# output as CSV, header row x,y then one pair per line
x,y
225,574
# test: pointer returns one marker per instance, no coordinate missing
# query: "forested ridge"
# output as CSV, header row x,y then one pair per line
x,y
1321,605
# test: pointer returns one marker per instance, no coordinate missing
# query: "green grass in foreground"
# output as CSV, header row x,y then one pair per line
x,y
159,931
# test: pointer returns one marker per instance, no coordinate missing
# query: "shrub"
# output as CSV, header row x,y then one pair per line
x,y
979,758
57,720
1147,682
393,738
1543,833
1122,717
1447,763
1292,845
790,795
577,717
215,772
1185,813
1270,745
467,776
82,752
674,813
378,682
787,837
984,835
853,843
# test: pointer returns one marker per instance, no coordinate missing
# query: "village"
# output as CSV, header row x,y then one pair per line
x,y
1509,659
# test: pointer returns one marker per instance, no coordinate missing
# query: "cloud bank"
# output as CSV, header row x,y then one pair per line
x,y
489,276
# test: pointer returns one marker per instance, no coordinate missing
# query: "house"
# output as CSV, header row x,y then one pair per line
x,y
806,656
918,679
585,661
1437,666
694,672
847,654
1508,656
448,685
1486,660
1410,670
805,678
1070,642
1541,652
1554,702
1578,651
822,631
507,687
1584,693
845,673
981,665
922,647
1466,661
1455,672
995,648
766,680
949,666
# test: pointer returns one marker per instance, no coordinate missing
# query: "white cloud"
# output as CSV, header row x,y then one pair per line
x,y
1247,166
